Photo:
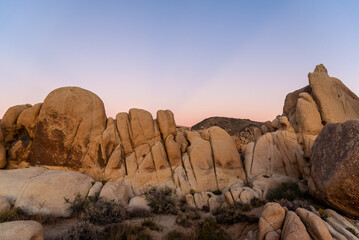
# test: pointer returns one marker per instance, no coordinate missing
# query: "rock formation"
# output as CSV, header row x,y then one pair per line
x,y
70,131
335,166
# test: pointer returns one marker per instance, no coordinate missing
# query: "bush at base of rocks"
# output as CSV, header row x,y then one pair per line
x,y
287,190
16,214
161,200
293,205
104,212
186,216
139,212
231,215
210,230
85,231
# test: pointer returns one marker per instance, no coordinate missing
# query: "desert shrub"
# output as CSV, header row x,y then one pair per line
x,y
16,214
351,230
322,213
210,230
150,223
217,192
293,205
176,235
232,214
79,204
125,232
186,216
161,200
287,190
83,231
87,231
104,212
13,214
139,212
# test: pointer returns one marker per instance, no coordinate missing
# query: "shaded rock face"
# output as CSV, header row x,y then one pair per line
x,y
68,120
244,129
335,166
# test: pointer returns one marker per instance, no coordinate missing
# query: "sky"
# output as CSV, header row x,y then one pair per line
x,y
197,58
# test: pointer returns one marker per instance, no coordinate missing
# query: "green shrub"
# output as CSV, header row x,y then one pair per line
x,y
79,204
217,192
287,190
104,212
161,200
351,230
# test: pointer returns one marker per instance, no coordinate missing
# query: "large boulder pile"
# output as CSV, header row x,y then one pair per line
x,y
277,223
70,131
335,166
287,151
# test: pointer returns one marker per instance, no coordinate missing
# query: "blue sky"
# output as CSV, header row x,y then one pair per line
x,y
197,58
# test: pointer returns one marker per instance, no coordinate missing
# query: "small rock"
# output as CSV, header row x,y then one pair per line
x,y
114,191
271,220
190,200
95,190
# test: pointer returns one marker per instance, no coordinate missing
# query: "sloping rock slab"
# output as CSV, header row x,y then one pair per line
x,y
42,191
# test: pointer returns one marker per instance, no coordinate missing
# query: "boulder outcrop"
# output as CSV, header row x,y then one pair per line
x,y
43,191
336,102
335,166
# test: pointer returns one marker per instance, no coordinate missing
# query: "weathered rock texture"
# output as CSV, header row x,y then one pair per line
x,y
42,191
335,166
21,230
336,102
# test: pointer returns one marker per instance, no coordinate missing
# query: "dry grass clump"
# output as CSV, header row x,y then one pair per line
x,y
105,212
161,200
